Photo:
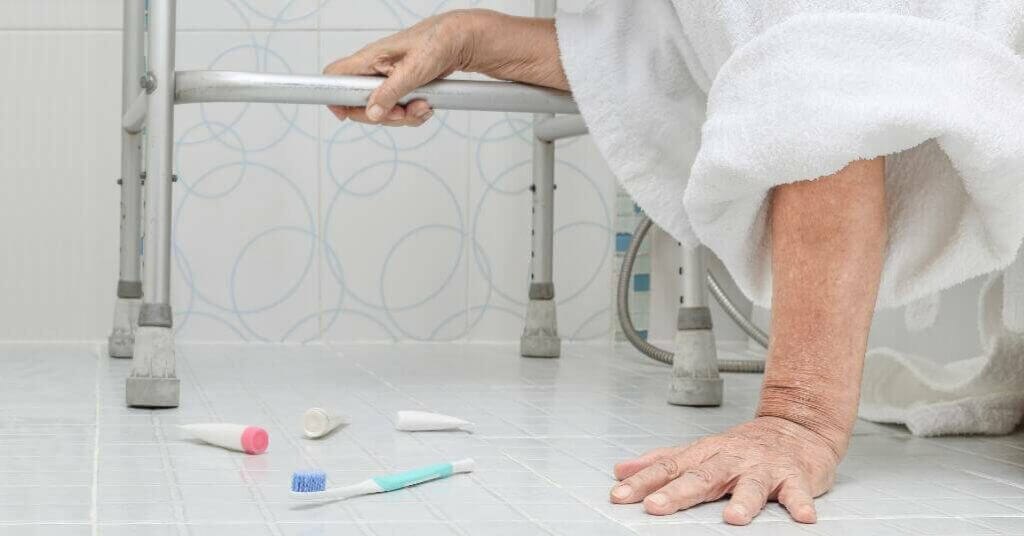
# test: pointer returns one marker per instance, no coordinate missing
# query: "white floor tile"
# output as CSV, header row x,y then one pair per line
x,y
548,434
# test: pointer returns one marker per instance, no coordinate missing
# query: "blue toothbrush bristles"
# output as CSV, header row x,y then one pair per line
x,y
308,481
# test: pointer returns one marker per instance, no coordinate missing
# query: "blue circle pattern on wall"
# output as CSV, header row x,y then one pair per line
x,y
292,226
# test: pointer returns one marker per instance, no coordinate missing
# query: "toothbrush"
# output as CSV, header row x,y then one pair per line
x,y
312,485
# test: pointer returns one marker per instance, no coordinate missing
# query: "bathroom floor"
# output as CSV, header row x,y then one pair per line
x,y
75,461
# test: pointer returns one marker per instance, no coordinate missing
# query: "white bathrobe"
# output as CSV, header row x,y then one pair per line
x,y
700,107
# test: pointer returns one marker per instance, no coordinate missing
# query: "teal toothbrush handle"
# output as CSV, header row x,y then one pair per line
x,y
413,476
422,474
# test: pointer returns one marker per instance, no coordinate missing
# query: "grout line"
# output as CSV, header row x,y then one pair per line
x,y
56,29
436,512
320,232
94,506
177,499
201,29
310,459
520,511
563,451
467,219
269,520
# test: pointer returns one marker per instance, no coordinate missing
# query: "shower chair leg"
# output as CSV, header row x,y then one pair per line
x,y
129,284
695,380
540,333
153,382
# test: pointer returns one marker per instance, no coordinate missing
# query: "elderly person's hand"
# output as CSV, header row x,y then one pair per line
x,y
765,459
498,45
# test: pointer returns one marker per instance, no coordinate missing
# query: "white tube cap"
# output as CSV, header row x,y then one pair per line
x,y
318,422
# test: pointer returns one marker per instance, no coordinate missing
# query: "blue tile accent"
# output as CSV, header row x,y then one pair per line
x,y
642,333
622,242
641,282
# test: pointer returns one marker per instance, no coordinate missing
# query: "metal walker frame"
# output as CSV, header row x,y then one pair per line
x,y
143,320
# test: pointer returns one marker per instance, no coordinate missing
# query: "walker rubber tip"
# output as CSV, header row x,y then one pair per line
x,y
255,440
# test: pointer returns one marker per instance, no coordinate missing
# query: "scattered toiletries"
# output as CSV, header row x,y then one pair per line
x,y
247,439
421,421
312,485
318,422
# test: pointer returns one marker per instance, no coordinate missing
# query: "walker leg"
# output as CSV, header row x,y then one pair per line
x,y
540,334
152,382
129,284
695,380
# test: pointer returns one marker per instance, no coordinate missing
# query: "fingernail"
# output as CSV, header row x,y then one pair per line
x,y
375,112
659,499
741,511
395,114
622,492
426,114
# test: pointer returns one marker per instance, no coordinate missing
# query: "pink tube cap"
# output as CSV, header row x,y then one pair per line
x,y
254,440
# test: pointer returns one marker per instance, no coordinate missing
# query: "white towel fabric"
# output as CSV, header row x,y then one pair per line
x,y
701,106
981,395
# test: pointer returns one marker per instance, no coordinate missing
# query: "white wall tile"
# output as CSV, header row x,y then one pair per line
x,y
391,217
392,14
248,14
58,194
245,206
62,14
500,221
394,219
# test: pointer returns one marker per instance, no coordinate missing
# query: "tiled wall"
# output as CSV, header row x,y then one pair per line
x,y
287,223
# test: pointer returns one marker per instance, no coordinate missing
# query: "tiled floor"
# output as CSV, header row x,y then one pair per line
x,y
75,461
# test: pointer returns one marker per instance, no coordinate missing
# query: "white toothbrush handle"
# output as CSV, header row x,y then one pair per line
x,y
365,487
463,466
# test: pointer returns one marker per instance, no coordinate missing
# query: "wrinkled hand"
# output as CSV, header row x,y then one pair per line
x,y
432,49
768,458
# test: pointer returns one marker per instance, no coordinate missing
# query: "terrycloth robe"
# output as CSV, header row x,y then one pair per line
x,y
700,107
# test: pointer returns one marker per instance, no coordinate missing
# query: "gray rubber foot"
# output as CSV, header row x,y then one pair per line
x,y
152,383
122,337
695,380
695,392
152,392
540,334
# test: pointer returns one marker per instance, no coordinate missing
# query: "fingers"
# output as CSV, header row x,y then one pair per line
x,y
796,497
404,71
748,499
419,110
706,482
658,473
414,114
358,63
406,76
628,468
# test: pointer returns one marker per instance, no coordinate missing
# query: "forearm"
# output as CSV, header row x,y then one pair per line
x,y
827,253
518,49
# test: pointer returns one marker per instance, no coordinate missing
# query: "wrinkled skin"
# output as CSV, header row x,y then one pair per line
x,y
827,256
424,52
765,459
507,48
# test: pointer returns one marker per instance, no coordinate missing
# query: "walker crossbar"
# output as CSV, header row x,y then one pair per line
x,y
488,96
485,96
143,319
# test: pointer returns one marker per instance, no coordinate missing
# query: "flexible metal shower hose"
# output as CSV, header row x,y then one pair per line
x,y
664,356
